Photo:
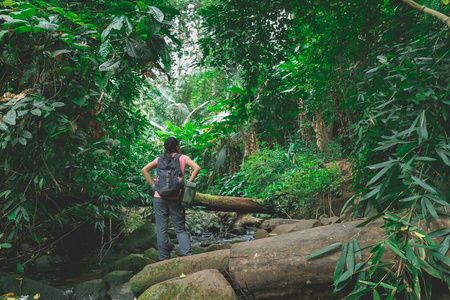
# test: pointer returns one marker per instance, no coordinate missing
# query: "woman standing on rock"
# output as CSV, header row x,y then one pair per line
x,y
170,206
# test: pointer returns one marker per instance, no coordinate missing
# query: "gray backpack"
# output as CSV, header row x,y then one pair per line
x,y
169,181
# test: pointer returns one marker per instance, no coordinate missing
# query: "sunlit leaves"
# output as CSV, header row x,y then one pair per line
x,y
157,14
110,65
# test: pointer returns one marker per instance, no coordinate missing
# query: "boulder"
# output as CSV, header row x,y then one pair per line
x,y
168,269
28,287
152,253
117,278
205,284
134,263
246,220
43,262
270,225
91,290
328,221
197,250
143,237
121,292
215,247
260,234
279,268
297,226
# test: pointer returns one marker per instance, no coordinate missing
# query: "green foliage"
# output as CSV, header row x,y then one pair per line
x,y
419,259
403,152
287,188
69,126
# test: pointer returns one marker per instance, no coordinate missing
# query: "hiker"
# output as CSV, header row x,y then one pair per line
x,y
166,206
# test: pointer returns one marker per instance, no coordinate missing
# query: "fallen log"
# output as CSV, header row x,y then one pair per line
x,y
276,267
225,203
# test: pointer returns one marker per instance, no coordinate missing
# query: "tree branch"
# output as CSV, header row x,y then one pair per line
x,y
423,9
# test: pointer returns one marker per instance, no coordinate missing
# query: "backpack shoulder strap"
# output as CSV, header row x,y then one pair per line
x,y
177,160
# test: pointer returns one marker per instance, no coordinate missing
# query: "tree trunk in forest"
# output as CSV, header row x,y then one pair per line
x,y
224,203
276,267
250,141
320,128
302,118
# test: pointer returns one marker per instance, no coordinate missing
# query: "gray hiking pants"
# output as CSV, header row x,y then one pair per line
x,y
163,209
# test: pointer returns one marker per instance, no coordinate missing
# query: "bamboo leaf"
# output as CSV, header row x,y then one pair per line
x,y
376,295
424,211
346,203
412,258
424,185
378,255
439,232
382,165
446,245
347,275
357,248
339,270
422,130
368,283
356,294
410,198
396,250
429,269
430,208
381,173
388,286
370,194
437,200
443,155
442,258
350,260
324,250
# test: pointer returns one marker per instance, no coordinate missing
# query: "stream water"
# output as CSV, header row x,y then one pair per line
x,y
66,274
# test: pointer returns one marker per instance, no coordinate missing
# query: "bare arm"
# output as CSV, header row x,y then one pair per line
x,y
194,167
146,171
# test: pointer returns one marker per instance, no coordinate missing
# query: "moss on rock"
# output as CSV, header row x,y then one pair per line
x,y
205,284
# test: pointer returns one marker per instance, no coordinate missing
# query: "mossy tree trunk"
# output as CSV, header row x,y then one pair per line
x,y
225,203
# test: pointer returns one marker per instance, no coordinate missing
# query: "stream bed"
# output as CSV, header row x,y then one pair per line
x,y
65,273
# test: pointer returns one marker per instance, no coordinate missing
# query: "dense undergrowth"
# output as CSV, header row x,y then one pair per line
x,y
290,183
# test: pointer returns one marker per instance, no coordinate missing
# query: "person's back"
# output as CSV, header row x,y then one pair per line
x,y
167,205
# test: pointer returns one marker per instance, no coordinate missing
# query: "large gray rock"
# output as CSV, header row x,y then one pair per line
x,y
260,234
297,226
10,284
168,269
205,284
270,225
142,238
91,290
